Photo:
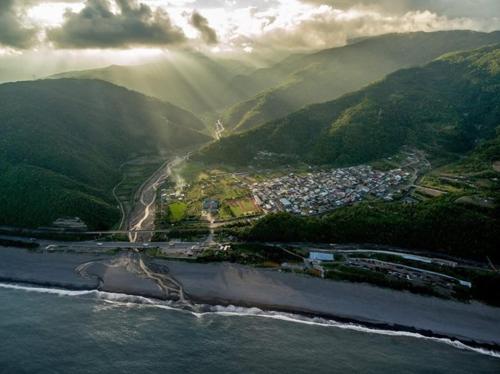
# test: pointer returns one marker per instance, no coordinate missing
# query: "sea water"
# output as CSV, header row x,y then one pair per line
x,y
45,330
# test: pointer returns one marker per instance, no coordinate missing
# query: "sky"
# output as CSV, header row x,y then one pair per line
x,y
93,32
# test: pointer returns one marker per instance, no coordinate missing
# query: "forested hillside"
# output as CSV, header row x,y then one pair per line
x,y
62,142
447,106
190,80
439,225
302,80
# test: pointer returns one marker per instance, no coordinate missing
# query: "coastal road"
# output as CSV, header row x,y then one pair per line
x,y
92,246
142,216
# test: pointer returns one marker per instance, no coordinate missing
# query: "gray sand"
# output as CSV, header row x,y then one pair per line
x,y
237,285
120,276
104,272
245,286
54,269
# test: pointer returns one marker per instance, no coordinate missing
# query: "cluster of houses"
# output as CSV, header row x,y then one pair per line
x,y
316,193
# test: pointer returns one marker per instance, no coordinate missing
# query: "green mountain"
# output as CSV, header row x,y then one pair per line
x,y
192,81
302,80
484,158
449,105
62,142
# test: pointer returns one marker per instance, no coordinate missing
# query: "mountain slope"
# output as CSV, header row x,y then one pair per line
x,y
446,106
190,80
62,141
304,80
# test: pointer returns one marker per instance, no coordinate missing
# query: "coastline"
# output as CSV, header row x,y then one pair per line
x,y
224,284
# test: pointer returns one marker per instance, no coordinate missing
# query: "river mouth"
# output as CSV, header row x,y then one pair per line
x,y
231,288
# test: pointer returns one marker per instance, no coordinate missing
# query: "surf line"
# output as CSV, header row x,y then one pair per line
x,y
126,300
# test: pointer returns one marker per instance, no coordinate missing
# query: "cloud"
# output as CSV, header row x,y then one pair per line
x,y
132,24
233,25
12,31
200,23
449,8
303,26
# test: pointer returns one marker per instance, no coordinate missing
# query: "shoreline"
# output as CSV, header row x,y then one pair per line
x,y
386,327
370,326
270,291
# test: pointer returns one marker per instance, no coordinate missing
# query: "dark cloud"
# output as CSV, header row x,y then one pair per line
x,y
207,33
12,32
97,26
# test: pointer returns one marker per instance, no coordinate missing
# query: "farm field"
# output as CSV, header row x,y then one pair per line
x,y
228,190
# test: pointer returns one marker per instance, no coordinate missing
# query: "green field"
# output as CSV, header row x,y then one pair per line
x,y
243,207
177,212
230,189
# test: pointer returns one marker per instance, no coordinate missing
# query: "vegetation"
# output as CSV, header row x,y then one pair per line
x,y
190,80
62,143
134,173
249,254
303,80
446,107
440,225
485,283
351,274
484,159
176,212
230,191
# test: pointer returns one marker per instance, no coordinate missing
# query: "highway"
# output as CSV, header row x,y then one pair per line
x,y
171,248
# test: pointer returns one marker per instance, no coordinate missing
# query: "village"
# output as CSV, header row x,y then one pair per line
x,y
317,193
225,195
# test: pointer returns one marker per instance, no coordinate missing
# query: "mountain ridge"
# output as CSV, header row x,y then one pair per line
x,y
328,74
62,142
445,106
192,81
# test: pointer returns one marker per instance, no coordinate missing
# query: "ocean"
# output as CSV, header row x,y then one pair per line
x,y
57,331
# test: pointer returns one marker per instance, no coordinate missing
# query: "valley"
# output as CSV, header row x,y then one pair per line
x,y
374,166
268,186
142,216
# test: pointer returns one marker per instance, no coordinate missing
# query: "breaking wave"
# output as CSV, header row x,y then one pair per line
x,y
200,311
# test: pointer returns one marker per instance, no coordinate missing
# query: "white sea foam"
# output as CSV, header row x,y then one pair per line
x,y
54,291
132,301
232,311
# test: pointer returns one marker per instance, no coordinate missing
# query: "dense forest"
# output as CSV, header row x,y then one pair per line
x,y
447,106
303,80
62,142
440,225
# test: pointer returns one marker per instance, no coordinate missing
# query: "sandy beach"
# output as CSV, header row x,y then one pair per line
x,y
230,284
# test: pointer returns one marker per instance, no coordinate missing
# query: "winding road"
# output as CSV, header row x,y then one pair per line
x,y
142,216
219,129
